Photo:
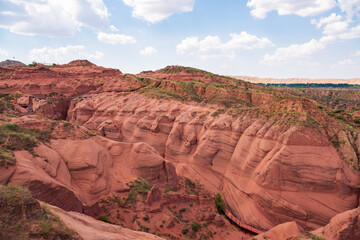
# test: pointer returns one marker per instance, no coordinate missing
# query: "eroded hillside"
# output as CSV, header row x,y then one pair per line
x,y
274,156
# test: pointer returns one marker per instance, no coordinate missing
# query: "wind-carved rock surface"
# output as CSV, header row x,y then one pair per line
x,y
268,173
345,225
76,172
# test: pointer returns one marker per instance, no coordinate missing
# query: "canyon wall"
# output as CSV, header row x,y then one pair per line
x,y
268,173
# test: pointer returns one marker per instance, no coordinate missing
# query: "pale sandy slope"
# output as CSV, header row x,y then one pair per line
x,y
297,80
91,229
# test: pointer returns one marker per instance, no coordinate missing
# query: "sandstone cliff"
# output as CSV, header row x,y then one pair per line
x,y
261,168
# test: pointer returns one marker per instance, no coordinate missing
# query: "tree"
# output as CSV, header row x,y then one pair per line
x,y
220,204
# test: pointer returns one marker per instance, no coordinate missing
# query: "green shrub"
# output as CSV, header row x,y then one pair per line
x,y
219,202
185,231
104,218
33,64
195,226
357,120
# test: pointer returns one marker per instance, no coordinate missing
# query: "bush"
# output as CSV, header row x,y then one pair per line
x,y
104,218
185,231
219,202
357,120
33,64
195,226
139,186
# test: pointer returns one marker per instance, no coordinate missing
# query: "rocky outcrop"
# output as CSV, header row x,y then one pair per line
x,y
70,80
260,167
345,225
153,195
70,173
8,62
90,229
283,231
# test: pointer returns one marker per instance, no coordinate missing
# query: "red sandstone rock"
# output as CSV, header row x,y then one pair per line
x,y
261,169
153,195
91,229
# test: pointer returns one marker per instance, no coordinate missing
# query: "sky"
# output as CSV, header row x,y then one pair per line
x,y
262,38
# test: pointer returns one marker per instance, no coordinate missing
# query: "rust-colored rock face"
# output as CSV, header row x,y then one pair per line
x,y
73,79
345,225
268,174
68,173
91,229
282,163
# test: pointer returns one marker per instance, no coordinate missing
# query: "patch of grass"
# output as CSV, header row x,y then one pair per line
x,y
15,195
14,137
218,112
162,93
169,189
190,187
188,87
138,187
312,236
22,217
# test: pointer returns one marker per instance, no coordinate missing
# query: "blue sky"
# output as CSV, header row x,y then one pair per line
x,y
263,38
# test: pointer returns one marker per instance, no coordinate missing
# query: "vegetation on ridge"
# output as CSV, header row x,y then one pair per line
x,y
22,217
14,137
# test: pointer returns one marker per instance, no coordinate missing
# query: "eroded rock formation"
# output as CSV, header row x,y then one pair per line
x,y
268,173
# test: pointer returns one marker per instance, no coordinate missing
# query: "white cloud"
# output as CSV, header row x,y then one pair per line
x,y
294,51
346,62
113,28
350,7
303,8
62,54
326,20
52,18
247,41
212,47
148,51
3,53
357,53
157,10
337,27
115,39
351,33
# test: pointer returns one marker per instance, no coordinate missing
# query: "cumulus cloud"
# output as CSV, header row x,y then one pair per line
x,y
350,7
113,28
62,54
326,20
303,8
52,18
3,53
154,11
337,27
211,47
294,51
115,39
346,62
148,51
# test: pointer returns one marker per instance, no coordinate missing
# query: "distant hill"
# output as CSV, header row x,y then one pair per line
x,y
11,63
297,80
